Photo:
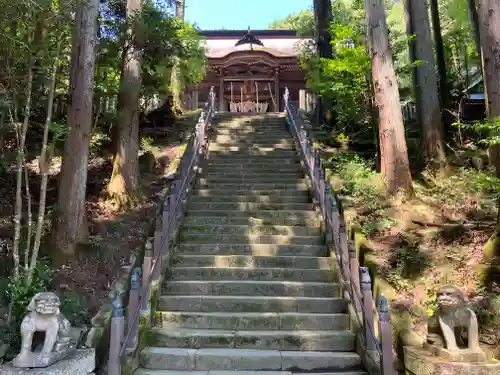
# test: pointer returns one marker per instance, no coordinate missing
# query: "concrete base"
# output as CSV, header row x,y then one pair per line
x,y
420,362
80,362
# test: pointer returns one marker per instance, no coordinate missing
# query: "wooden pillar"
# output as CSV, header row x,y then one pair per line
x,y
277,91
302,99
221,94
194,100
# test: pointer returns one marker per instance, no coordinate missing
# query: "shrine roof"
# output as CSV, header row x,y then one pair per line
x,y
279,43
239,33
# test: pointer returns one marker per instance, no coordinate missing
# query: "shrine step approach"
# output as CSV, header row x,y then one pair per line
x,y
251,287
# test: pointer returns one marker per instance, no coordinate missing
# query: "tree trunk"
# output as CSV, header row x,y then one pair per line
x,y
488,12
474,20
426,89
180,7
20,162
323,17
176,85
393,150
71,226
440,57
124,186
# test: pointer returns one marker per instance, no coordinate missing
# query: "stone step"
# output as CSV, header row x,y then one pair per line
x,y
253,138
266,215
249,261
242,159
232,176
241,273
257,288
257,198
252,229
252,185
250,239
253,321
252,146
245,359
249,206
249,220
317,305
274,132
261,127
269,174
273,193
254,151
253,168
254,161
142,371
333,341
256,250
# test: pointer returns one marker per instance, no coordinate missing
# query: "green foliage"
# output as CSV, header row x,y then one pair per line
x,y
147,143
489,130
342,80
75,308
357,175
16,294
302,22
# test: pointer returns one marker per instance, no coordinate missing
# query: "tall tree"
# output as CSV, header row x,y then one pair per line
x,y
176,83
71,227
474,20
440,57
323,16
426,88
488,12
124,187
180,7
489,30
395,166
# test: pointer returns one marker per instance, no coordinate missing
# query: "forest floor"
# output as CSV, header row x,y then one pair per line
x,y
433,239
115,236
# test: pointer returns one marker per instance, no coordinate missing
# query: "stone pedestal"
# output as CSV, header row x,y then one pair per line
x,y
79,362
419,361
461,355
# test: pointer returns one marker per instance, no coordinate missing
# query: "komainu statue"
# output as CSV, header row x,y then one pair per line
x,y
452,330
44,317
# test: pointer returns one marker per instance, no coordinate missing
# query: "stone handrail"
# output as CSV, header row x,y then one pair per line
x,y
376,350
124,335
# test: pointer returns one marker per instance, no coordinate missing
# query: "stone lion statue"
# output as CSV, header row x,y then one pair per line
x,y
44,316
453,328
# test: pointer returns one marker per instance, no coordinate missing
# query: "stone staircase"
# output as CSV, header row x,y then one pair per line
x,y
250,287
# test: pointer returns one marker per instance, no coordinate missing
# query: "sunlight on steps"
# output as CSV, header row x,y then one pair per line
x,y
250,288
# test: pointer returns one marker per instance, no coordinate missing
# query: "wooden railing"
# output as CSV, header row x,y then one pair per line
x,y
376,349
124,335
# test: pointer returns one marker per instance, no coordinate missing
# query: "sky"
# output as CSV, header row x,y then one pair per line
x,y
239,14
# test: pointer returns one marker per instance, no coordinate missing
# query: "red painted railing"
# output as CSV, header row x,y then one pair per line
x,y
125,330
356,280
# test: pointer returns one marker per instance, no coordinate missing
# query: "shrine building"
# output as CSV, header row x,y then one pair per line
x,y
249,71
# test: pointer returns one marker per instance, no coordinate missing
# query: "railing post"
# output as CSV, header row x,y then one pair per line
x,y
146,271
354,271
174,196
366,293
385,333
165,214
159,241
133,305
328,214
321,188
116,333
343,247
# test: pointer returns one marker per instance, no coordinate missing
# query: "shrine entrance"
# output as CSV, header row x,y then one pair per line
x,y
250,95
249,74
